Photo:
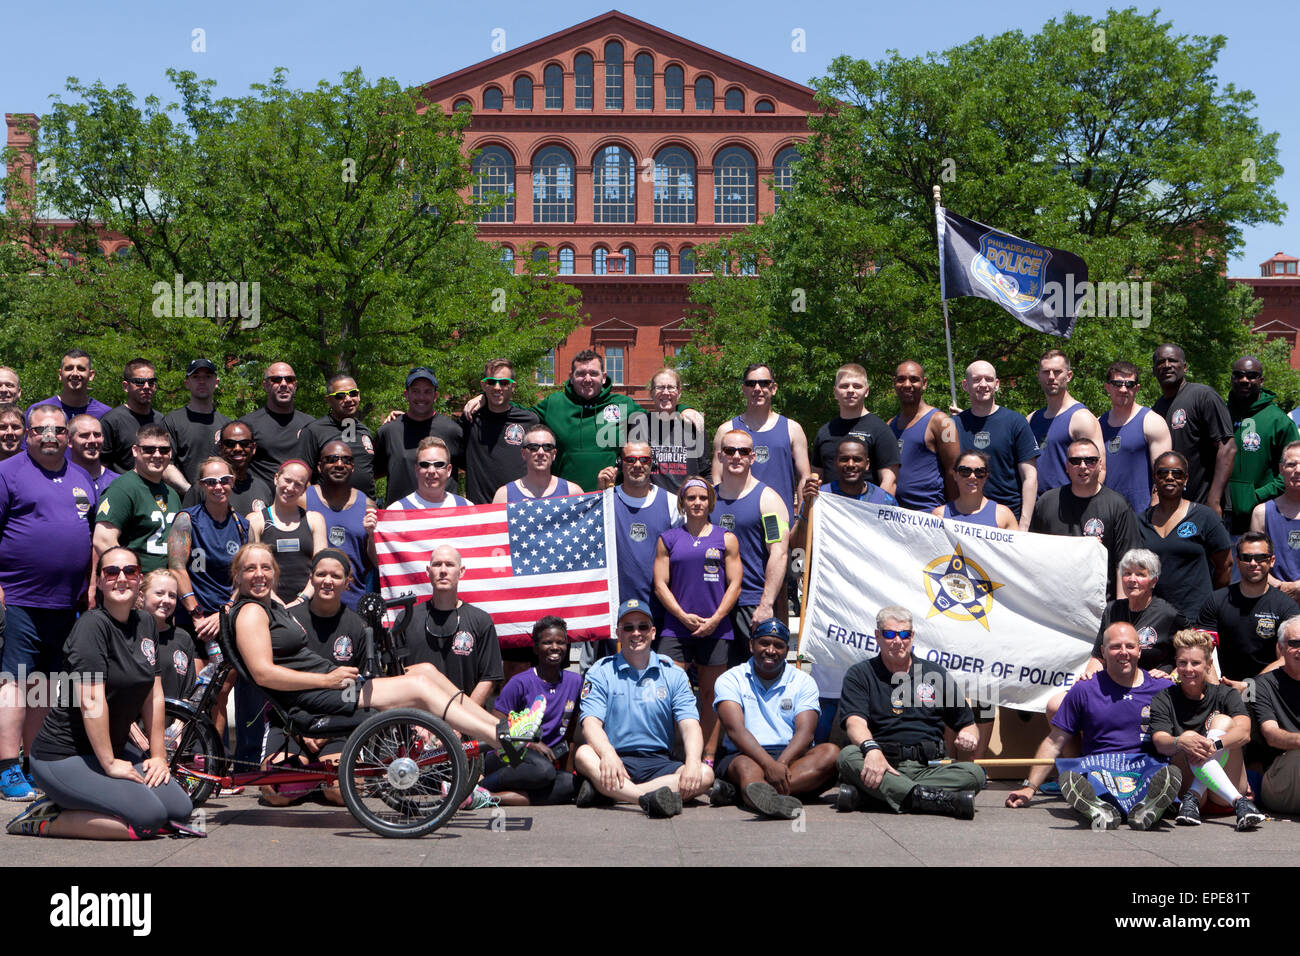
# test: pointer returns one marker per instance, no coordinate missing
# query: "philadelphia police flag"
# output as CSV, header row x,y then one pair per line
x,y
1039,285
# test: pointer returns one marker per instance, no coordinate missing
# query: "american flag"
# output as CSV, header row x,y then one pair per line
x,y
521,561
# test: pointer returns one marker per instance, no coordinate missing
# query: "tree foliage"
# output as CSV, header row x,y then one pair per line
x,y
1109,137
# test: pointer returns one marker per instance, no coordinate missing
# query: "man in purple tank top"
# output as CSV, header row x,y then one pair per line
x,y
780,445
1134,437
1061,421
928,443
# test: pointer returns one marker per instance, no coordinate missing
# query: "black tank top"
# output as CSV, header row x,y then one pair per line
x,y
293,553
289,646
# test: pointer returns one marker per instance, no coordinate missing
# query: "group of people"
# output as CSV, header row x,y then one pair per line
x,y
270,520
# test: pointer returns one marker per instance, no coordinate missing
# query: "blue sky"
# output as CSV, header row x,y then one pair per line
x,y
134,41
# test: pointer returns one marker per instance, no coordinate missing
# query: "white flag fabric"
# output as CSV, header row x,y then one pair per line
x,y
1012,614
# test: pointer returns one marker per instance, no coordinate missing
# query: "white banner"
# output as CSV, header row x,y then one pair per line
x,y
1014,615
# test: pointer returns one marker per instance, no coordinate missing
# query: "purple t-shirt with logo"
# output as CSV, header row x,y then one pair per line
x,y
44,532
1111,718
561,700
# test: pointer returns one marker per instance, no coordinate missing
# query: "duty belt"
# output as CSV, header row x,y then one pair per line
x,y
923,752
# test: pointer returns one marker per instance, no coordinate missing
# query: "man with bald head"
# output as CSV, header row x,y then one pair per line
x,y
277,424
1262,430
1005,438
456,638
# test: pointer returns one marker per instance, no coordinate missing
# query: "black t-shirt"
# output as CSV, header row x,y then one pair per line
x,y
1106,515
882,446
119,426
1175,713
493,445
194,438
1277,697
278,438
177,650
1185,569
395,451
249,494
461,643
680,450
1156,624
1247,628
124,654
924,705
339,639
1198,423
319,433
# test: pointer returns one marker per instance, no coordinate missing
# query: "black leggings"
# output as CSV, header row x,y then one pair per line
x,y
535,776
79,783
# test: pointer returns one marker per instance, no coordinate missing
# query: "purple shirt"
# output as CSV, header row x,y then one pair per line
x,y
44,532
95,408
1111,718
697,578
561,700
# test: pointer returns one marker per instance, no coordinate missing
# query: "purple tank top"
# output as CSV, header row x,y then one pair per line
x,y
1285,535
1128,463
697,577
514,495
920,482
773,459
988,515
1053,437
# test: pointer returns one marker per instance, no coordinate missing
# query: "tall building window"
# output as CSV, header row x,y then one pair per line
x,y
508,258
783,171
704,94
566,261
629,260
686,262
583,81
492,99
553,185
614,360
599,261
494,175
674,88
523,93
553,80
644,69
733,186
674,186
613,177
661,261
613,75
545,374
734,101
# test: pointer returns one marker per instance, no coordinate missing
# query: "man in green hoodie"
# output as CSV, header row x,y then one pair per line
x,y
1261,430
589,419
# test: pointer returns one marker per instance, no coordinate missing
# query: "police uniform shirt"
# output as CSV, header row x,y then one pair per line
x,y
639,709
461,643
1247,628
769,710
906,708
1277,697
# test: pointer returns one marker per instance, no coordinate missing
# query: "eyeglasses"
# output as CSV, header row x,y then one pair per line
x,y
1254,558
424,465
111,571
236,443
502,382
669,388
164,450
1170,473
731,451
637,460
1122,383
966,471
539,446
336,459
142,382
42,429
636,628
759,383
1293,644
348,393
212,481
1089,460
1248,375
282,379
895,635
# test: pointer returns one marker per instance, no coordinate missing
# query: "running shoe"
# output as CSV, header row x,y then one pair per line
x,y
527,724
1249,816
1189,812
1079,794
1162,791
15,786
33,820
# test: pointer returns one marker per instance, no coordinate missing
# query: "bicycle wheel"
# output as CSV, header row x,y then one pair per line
x,y
472,777
196,746
401,773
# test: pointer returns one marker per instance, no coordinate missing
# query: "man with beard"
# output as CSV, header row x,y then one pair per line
x,y
349,515
1261,430
342,423
249,493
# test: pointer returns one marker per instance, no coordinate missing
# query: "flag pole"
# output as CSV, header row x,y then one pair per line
x,y
947,328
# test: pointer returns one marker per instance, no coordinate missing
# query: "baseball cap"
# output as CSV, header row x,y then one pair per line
x,y
771,628
420,372
200,363
630,605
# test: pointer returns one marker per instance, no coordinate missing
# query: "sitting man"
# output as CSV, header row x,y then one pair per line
x,y
893,708
1276,707
1112,713
630,703
769,711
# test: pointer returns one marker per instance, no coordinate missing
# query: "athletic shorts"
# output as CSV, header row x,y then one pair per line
x,y
336,702
725,761
704,651
643,766
275,741
34,639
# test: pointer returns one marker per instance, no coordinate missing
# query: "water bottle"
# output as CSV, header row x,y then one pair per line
x,y
214,653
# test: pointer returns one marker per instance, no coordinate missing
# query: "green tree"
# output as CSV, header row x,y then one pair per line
x,y
1109,137
345,210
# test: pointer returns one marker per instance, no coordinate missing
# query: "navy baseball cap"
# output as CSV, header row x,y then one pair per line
x,y
420,372
771,628
630,605
198,364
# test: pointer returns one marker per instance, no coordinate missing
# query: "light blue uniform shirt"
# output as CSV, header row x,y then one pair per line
x,y
769,711
640,710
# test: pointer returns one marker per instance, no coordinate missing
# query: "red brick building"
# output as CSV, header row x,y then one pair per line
x,y
619,147
1278,286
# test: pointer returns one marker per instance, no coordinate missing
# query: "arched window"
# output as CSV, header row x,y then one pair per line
x,y
613,76
598,261
613,177
764,106
644,69
674,88
462,104
494,175
553,185
524,93
553,80
734,101
733,186
704,94
783,171
541,254
674,186
492,98
508,258
661,261
629,260
583,81
686,262
566,261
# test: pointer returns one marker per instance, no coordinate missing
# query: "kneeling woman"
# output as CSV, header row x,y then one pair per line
x,y
276,652
98,785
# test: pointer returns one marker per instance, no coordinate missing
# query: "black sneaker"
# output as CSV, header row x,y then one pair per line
x,y
765,799
662,803
1249,816
1079,794
848,798
589,796
1161,793
1189,812
722,794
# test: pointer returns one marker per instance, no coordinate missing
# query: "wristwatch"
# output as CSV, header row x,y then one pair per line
x,y
1025,783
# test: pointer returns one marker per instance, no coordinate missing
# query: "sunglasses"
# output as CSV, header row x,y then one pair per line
x,y
425,465
348,393
1248,375
282,379
1121,383
111,571
42,429
502,382
164,450
142,382
635,628
637,460
1254,558
212,481
1170,473
539,446
731,451
1089,460
336,459
1293,644
966,471
896,635
759,383
236,443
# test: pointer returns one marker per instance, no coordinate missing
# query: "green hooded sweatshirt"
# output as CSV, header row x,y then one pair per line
x,y
589,435
1261,432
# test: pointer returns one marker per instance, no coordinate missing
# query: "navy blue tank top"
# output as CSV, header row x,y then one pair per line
x,y
345,529
1053,437
210,578
920,482
514,494
1128,462
988,515
743,517
1285,535
639,528
773,459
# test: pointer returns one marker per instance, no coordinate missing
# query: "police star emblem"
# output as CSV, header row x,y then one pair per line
x,y
958,588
